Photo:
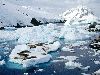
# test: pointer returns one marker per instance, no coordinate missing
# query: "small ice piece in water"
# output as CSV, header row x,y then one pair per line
x,y
40,70
81,55
86,68
72,65
85,74
54,71
97,62
25,73
97,72
69,58
67,49
2,62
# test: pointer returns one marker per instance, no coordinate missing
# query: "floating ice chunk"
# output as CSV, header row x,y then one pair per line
x,y
54,61
25,73
33,59
85,74
72,65
97,62
40,70
22,54
97,72
78,43
69,58
82,55
67,49
85,68
2,62
27,55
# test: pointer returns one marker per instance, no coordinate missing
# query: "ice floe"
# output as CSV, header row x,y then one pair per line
x,y
32,54
32,34
30,58
7,35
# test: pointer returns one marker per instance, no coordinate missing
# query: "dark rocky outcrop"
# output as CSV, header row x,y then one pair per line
x,y
35,22
93,25
2,28
95,44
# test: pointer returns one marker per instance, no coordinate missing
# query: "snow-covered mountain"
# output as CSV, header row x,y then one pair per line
x,y
13,12
79,15
78,20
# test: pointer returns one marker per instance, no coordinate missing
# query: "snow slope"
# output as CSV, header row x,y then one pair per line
x,y
77,22
22,12
79,15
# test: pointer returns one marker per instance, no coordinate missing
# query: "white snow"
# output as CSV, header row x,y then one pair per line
x,y
77,20
79,15
23,12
